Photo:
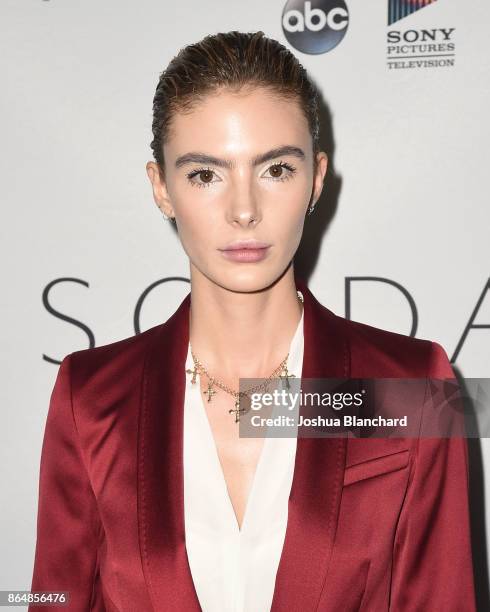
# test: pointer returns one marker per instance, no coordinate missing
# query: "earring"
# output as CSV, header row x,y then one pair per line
x,y
166,217
311,208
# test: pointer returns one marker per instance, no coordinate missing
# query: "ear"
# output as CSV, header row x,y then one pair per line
x,y
159,187
319,176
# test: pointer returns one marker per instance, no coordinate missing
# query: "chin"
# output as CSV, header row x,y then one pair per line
x,y
250,278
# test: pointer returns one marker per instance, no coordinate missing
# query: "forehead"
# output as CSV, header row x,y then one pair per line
x,y
252,119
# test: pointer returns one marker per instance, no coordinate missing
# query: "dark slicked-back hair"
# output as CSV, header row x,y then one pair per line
x,y
234,60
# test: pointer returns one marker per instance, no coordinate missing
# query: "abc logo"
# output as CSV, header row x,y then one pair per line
x,y
315,26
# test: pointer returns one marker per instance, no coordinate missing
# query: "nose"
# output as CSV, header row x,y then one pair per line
x,y
244,210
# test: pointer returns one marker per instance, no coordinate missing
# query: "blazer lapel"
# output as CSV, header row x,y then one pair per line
x,y
160,468
316,490
317,481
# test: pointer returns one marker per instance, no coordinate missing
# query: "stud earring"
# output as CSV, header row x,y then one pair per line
x,y
311,208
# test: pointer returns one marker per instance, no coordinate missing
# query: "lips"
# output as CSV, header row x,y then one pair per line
x,y
240,245
248,251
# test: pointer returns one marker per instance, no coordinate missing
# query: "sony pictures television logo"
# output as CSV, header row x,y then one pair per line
x,y
315,26
412,47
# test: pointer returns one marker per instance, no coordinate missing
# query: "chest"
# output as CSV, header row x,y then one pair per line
x,y
238,456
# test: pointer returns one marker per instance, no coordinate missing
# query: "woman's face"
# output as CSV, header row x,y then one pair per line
x,y
239,167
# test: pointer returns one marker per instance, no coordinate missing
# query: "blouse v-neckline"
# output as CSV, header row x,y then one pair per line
x,y
209,512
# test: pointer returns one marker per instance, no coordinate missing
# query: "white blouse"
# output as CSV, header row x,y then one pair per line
x,y
233,569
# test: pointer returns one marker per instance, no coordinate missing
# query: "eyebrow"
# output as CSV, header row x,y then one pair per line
x,y
203,158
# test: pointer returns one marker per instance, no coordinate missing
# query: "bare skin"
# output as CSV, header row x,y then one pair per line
x,y
243,315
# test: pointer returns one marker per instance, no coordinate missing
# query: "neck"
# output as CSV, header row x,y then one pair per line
x,y
242,335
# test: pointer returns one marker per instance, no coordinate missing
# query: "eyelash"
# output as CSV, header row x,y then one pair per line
x,y
190,175
282,164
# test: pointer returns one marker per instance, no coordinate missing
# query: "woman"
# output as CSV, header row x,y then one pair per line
x,y
149,499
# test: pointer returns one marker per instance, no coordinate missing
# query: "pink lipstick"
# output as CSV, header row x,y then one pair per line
x,y
246,251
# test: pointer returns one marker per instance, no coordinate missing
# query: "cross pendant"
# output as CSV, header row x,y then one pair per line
x,y
284,376
194,374
210,391
237,410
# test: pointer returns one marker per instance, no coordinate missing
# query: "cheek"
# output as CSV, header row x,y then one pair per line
x,y
192,231
195,205
297,193
294,226
293,210
288,234
197,228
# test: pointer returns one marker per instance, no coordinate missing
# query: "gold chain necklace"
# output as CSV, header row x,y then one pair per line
x,y
282,370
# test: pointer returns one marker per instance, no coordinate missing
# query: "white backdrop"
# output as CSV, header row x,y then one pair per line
x,y
408,201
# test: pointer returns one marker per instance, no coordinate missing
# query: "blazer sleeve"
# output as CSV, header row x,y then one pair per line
x,y
432,563
68,523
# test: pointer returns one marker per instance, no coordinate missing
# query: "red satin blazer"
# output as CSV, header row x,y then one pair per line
x,y
373,524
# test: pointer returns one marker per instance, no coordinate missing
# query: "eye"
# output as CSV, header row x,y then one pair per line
x,y
282,171
201,177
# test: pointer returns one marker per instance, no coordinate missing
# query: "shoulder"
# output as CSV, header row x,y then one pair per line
x,y
119,362
378,352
